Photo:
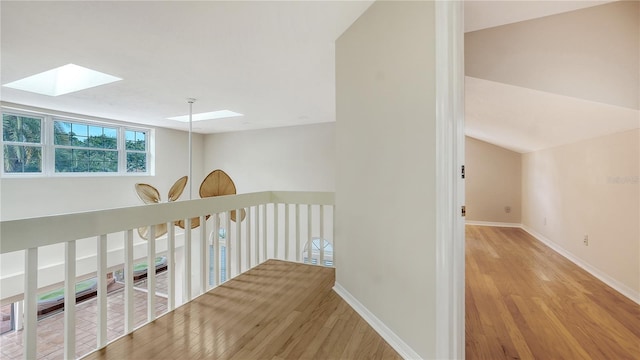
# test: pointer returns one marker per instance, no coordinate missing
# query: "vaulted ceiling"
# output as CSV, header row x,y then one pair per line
x,y
539,74
554,80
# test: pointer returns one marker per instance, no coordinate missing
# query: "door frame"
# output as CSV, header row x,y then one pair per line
x,y
450,238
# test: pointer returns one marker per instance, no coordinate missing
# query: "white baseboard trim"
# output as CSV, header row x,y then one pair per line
x,y
615,284
387,334
491,223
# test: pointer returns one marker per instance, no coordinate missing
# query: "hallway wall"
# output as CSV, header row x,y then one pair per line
x,y
589,188
493,182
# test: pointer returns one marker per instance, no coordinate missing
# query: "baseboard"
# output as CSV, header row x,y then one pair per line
x,y
615,284
387,334
491,223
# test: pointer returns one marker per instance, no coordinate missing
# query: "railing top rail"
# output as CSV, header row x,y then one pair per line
x,y
23,234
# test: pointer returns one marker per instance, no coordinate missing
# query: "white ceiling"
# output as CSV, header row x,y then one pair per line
x,y
524,120
272,61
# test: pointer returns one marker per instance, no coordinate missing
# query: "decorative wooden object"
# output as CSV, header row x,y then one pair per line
x,y
150,195
218,183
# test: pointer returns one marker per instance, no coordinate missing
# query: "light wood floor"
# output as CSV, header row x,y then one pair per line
x,y
278,310
524,301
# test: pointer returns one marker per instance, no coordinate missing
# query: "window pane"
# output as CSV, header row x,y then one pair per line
x,y
102,142
22,159
64,160
95,131
61,133
110,140
61,127
111,133
99,137
78,140
79,160
136,140
130,135
136,162
111,161
21,128
79,129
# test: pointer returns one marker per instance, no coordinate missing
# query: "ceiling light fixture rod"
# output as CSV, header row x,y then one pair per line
x,y
190,101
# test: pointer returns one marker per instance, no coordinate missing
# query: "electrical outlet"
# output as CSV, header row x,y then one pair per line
x,y
586,240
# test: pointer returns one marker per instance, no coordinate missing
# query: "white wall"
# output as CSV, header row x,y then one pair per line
x,y
385,179
589,188
297,158
492,181
591,54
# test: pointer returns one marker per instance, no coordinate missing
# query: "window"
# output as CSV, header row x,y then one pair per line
x,y
85,148
315,252
49,145
136,147
22,143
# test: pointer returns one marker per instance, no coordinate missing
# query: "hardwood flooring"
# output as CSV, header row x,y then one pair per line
x,y
277,310
525,301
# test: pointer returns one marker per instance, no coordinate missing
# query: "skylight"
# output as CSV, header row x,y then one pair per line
x,y
220,114
62,80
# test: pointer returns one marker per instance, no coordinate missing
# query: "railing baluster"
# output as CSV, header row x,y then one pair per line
x,y
171,264
19,320
70,300
264,232
286,231
321,235
227,244
210,268
247,232
298,232
30,303
216,250
151,274
128,283
275,230
187,261
238,242
204,258
101,273
310,235
257,234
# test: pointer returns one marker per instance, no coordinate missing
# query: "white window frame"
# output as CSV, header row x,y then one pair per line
x,y
124,153
315,253
41,144
48,146
85,123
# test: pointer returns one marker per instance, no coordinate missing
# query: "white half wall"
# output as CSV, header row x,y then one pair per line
x,y
296,158
589,188
27,197
385,174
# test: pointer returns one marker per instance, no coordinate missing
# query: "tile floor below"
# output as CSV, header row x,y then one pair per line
x,y
51,329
